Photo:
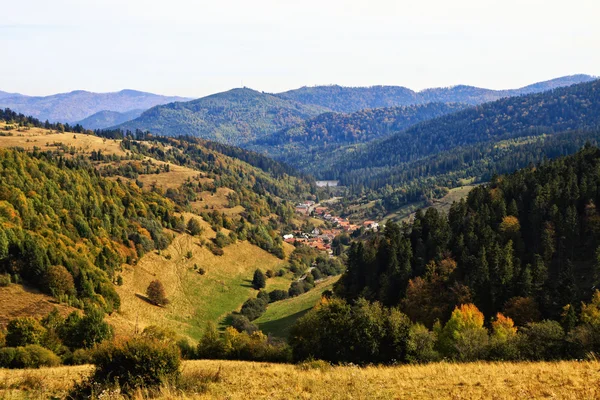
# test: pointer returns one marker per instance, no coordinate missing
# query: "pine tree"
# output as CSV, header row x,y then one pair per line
x,y
259,280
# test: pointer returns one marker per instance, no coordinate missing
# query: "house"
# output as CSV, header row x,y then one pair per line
x,y
372,225
288,236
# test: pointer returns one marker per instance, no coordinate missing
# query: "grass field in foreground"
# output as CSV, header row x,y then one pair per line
x,y
282,314
248,380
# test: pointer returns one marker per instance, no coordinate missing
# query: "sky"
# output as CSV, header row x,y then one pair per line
x,y
195,48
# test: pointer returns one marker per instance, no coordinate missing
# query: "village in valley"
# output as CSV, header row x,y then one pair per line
x,y
321,237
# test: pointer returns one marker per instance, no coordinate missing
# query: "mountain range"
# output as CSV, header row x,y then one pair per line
x,y
243,115
234,117
75,106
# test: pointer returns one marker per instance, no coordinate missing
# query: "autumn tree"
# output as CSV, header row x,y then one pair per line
x,y
464,337
156,293
59,281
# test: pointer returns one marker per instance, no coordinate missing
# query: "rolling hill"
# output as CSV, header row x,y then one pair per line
x,y
351,99
105,119
315,138
130,224
79,104
233,117
571,108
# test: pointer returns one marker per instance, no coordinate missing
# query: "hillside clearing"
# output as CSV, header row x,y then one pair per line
x,y
24,301
249,380
281,315
194,299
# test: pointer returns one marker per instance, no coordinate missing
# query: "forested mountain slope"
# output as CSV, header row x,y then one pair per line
x,y
530,238
79,104
75,208
572,108
350,99
318,136
233,117
105,119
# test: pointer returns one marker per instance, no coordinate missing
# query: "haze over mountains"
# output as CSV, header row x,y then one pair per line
x,y
79,104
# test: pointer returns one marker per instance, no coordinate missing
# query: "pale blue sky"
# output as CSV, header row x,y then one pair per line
x,y
194,48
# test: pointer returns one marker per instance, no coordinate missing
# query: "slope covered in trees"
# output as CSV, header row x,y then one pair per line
x,y
233,117
471,144
351,99
67,230
526,244
105,119
316,137
79,104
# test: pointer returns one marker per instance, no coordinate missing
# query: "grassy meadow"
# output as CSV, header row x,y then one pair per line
x,y
207,379
281,315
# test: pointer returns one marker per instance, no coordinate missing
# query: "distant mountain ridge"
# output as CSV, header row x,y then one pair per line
x,y
317,137
576,107
232,117
351,99
79,104
104,119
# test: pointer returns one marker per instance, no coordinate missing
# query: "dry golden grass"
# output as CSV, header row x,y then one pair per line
x,y
23,301
38,137
194,299
46,140
248,380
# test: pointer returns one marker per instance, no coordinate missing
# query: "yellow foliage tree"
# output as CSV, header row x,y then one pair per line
x,y
510,225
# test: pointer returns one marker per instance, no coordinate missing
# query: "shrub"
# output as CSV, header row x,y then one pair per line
x,y
23,331
80,357
5,280
503,341
296,289
277,295
270,273
159,333
202,271
194,227
259,280
216,250
59,281
138,362
241,323
86,331
542,340
421,345
156,293
211,346
253,308
7,355
33,356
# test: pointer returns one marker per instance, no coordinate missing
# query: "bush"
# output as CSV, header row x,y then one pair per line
x,y
216,250
86,331
138,362
270,273
23,331
542,341
211,346
156,293
277,295
31,356
5,280
421,345
194,227
59,281
80,357
253,308
241,323
296,289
